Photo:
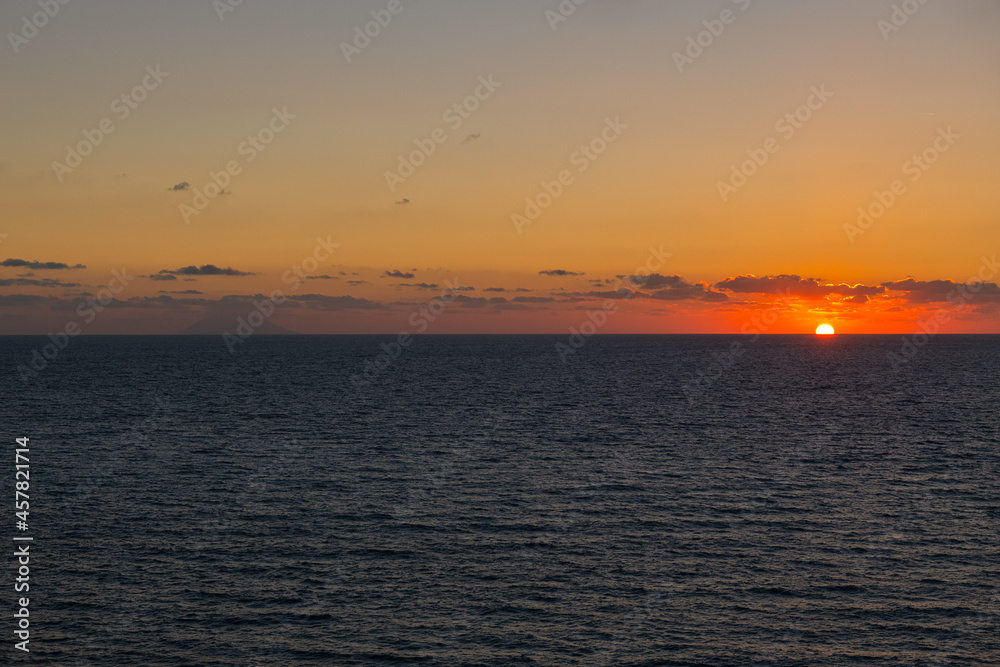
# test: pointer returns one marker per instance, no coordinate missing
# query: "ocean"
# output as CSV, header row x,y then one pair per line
x,y
484,500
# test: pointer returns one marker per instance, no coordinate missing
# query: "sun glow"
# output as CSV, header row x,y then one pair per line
x,y
824,330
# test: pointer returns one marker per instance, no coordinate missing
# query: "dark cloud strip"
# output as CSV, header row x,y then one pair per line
x,y
40,266
206,270
560,273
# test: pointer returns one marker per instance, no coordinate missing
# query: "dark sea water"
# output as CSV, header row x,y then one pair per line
x,y
479,502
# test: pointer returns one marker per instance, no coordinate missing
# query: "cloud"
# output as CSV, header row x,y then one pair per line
x,y
471,301
533,299
162,276
806,288
689,292
323,277
16,300
666,288
402,202
187,291
519,290
656,281
471,138
419,285
206,270
560,272
399,274
622,293
357,283
162,301
226,303
39,266
712,295
35,282
180,187
494,304
933,291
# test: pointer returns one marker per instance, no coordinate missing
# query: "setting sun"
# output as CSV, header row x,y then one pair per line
x,y
824,330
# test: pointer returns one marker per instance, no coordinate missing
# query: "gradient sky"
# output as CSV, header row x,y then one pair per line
x,y
656,186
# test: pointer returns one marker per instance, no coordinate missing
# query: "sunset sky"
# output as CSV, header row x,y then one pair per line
x,y
896,116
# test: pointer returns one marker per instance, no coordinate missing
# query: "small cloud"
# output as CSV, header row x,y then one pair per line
x,y
21,300
806,288
402,202
398,274
471,138
656,281
35,282
712,295
323,277
560,272
494,289
180,187
357,283
471,301
162,277
39,266
187,291
930,291
419,285
205,270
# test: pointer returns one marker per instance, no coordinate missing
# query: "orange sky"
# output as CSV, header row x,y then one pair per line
x,y
642,129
